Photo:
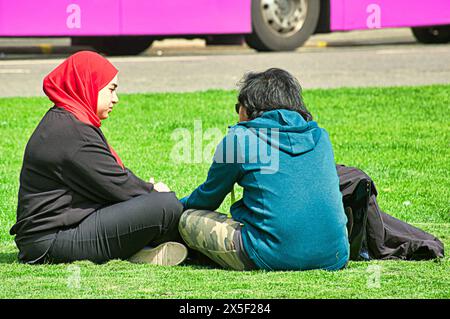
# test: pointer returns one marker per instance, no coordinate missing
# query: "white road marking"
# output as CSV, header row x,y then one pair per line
x,y
119,59
14,71
410,51
159,59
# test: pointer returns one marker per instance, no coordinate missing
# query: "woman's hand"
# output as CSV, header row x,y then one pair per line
x,y
159,187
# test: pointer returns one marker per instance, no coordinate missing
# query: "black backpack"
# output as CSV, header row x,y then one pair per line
x,y
356,192
374,234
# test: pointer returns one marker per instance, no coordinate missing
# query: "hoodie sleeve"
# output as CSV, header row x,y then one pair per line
x,y
222,175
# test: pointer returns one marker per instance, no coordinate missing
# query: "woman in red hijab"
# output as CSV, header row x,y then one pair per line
x,y
77,200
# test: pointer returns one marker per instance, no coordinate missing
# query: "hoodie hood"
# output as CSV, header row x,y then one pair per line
x,y
286,130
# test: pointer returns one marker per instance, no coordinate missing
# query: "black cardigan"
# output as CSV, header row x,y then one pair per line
x,y
68,172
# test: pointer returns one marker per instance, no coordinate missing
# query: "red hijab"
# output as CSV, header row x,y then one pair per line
x,y
75,83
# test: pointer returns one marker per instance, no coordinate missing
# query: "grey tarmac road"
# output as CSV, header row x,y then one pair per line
x,y
351,59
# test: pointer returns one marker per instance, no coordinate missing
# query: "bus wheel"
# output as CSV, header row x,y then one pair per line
x,y
116,45
434,34
282,25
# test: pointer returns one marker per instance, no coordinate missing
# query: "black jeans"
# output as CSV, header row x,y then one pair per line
x,y
120,230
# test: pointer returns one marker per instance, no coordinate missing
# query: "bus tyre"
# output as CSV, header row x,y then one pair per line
x,y
433,34
116,45
282,25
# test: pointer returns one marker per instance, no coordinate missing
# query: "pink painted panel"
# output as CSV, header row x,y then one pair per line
x,y
186,17
118,17
178,17
59,17
368,14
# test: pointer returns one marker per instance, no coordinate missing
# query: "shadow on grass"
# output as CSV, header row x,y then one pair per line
x,y
8,258
200,263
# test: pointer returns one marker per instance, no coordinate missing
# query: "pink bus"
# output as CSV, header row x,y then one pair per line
x,y
118,27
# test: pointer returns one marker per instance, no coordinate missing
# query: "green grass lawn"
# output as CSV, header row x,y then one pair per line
x,y
399,136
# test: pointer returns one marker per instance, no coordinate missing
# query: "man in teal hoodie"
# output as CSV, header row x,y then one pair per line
x,y
291,216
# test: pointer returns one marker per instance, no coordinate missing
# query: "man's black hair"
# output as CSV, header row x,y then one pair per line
x,y
272,89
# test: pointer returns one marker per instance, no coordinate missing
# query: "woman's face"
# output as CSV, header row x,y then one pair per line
x,y
107,97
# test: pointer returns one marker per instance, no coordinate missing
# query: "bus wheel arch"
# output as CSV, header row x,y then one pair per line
x,y
116,45
432,34
282,25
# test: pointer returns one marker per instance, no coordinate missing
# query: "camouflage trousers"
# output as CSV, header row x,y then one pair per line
x,y
214,235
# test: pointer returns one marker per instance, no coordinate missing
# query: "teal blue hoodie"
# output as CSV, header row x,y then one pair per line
x,y
291,207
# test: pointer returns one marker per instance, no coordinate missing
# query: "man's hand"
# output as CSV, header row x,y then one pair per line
x,y
159,187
